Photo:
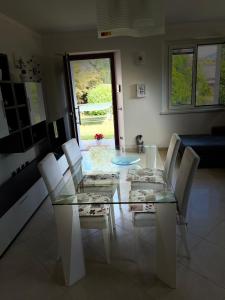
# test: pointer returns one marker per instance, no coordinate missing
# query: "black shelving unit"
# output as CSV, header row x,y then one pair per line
x,y
7,93
22,135
20,93
39,132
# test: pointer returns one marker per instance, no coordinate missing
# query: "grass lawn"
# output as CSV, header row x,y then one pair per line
x,y
88,130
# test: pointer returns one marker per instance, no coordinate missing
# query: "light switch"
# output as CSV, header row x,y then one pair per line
x,y
141,90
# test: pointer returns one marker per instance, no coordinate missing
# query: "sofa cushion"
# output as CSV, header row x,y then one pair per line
x,y
210,148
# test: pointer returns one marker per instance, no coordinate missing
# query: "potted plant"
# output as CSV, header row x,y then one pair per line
x,y
98,137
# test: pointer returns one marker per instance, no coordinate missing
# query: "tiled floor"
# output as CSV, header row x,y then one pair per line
x,y
29,269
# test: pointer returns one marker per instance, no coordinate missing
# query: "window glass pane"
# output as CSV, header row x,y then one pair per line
x,y
181,81
208,75
222,76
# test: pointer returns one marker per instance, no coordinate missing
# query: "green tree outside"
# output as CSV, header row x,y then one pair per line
x,y
222,77
182,81
88,74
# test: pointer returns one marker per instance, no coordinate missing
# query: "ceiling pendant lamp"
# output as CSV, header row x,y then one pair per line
x,y
135,18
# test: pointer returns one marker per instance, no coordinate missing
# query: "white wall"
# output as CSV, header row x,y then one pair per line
x,y
16,39
143,116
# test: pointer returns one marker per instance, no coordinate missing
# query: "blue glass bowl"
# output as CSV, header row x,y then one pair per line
x,y
125,160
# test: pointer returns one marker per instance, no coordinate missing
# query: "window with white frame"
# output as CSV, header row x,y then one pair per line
x,y
197,76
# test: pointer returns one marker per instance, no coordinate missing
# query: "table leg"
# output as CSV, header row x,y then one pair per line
x,y
166,243
70,242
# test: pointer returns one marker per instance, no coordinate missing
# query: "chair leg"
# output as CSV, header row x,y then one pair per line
x,y
183,231
136,238
119,195
106,238
112,216
111,222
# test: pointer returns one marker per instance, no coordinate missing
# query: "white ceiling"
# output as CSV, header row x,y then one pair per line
x,y
67,15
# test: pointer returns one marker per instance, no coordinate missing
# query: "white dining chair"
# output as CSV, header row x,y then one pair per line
x,y
74,157
101,183
155,175
185,176
54,181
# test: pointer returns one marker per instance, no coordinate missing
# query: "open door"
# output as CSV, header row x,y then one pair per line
x,y
95,99
119,97
70,97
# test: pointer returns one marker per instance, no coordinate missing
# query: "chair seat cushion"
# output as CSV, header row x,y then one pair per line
x,y
100,179
96,209
141,196
145,175
143,207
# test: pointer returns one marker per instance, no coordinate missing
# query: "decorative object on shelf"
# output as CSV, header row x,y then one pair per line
x,y
140,144
98,137
28,68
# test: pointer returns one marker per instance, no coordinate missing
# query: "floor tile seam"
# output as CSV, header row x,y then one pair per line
x,y
214,244
195,236
146,293
132,235
37,261
202,275
198,235
196,244
208,232
219,223
40,262
35,236
26,248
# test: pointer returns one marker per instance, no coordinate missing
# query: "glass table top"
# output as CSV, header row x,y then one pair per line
x,y
96,180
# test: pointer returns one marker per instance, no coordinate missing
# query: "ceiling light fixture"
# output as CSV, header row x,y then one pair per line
x,y
135,18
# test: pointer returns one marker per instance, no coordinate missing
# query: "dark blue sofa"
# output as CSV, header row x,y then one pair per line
x,y
210,148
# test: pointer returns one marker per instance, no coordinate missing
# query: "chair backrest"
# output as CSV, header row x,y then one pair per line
x,y
74,157
50,172
72,152
171,158
188,167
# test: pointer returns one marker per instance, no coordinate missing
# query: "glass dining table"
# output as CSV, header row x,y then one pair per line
x,y
122,177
